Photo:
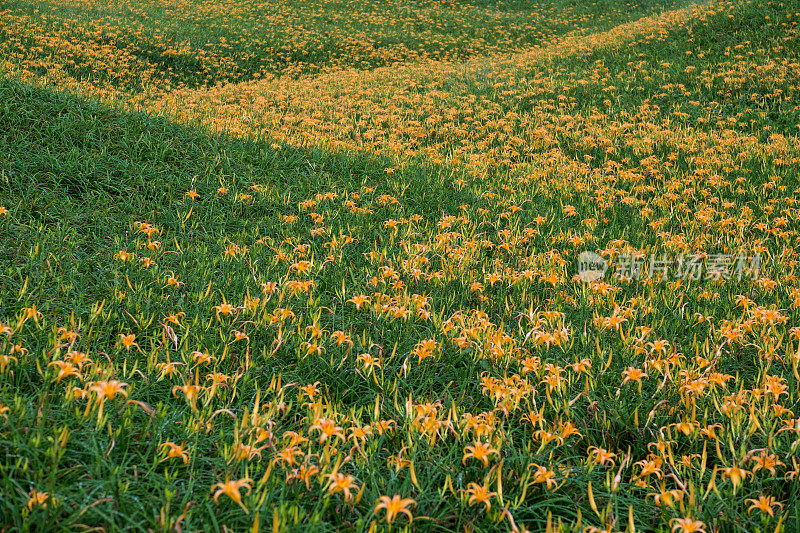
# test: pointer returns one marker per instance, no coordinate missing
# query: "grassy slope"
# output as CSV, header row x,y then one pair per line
x,y
194,43
76,175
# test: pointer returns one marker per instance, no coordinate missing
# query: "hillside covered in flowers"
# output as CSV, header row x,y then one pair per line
x,y
479,265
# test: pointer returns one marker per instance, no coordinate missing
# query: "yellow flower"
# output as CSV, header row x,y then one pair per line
x,y
37,499
327,428
359,301
359,434
108,389
633,374
342,483
765,504
546,476
666,497
602,456
128,341
340,337
394,507
64,370
231,489
310,390
189,391
480,494
766,461
369,360
735,474
175,450
687,525
123,256
480,451
224,309
288,456
302,267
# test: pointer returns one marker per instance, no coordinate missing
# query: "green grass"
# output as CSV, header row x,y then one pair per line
x,y
234,41
79,174
78,177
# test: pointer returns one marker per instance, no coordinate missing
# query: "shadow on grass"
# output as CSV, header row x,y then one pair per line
x,y
75,173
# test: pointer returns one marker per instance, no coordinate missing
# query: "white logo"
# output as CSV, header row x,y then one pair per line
x,y
591,266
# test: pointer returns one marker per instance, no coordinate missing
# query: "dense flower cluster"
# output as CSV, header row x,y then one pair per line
x,y
394,349
151,47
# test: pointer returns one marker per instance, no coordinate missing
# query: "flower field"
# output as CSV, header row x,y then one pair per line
x,y
325,265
